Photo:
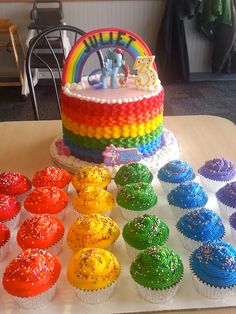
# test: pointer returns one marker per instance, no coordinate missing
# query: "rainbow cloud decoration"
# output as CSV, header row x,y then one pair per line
x,y
99,39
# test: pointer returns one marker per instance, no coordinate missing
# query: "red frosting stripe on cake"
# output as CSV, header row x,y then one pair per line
x,y
40,231
46,200
9,207
4,234
51,176
13,183
32,272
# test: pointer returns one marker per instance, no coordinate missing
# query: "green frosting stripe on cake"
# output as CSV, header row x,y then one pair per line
x,y
137,196
145,231
101,144
157,267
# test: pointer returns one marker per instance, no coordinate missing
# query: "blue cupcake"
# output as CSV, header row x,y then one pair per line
x,y
199,226
173,173
214,269
186,197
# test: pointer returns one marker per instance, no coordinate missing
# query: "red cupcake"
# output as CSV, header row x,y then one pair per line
x,y
43,232
31,278
4,241
14,183
9,211
52,176
47,200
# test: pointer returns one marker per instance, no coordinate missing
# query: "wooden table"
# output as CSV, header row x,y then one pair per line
x,y
25,148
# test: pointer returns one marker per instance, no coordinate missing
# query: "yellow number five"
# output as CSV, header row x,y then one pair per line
x,y
147,76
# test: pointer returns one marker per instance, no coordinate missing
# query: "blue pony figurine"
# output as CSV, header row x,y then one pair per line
x,y
114,61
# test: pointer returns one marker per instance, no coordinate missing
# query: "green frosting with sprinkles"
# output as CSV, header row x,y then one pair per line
x,y
157,267
132,173
137,196
145,231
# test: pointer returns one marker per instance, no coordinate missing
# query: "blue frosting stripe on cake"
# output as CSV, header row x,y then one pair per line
x,y
188,195
201,225
176,171
215,264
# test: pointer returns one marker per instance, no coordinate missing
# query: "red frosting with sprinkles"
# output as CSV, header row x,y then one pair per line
x,y
46,200
4,234
13,183
9,207
51,176
31,273
40,231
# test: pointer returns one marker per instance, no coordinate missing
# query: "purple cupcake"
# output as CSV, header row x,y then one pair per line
x,y
232,223
226,198
216,173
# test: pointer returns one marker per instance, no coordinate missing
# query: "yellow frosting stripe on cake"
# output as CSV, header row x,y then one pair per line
x,y
132,130
92,269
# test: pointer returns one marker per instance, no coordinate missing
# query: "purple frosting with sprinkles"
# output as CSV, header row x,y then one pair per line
x,y
227,194
232,220
218,169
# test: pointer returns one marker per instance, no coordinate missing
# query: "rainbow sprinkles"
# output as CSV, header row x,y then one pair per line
x,y
97,40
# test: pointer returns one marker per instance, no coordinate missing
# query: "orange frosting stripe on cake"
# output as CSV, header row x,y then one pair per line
x,y
132,130
4,234
9,207
40,231
32,272
46,200
94,230
51,176
92,269
13,183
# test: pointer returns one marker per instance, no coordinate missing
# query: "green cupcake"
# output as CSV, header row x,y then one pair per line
x,y
136,199
157,272
132,173
143,232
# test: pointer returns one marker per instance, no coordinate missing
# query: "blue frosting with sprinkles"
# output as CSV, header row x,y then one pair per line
x,y
215,264
188,195
176,171
201,225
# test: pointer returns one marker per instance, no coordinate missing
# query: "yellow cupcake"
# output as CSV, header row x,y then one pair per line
x,y
92,269
94,230
91,199
92,176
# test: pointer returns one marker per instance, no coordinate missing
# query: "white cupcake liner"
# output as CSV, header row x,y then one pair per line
x,y
4,250
57,247
37,301
157,295
211,292
95,296
179,212
21,197
14,222
66,187
212,185
131,251
189,244
131,214
225,210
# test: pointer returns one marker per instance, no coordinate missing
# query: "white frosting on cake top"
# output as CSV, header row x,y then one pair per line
x,y
128,93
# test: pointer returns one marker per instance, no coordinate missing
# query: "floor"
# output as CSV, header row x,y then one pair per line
x,y
197,98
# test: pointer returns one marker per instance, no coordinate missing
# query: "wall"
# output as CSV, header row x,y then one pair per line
x,y
142,17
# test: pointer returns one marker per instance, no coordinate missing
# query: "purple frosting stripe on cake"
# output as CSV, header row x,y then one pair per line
x,y
227,194
218,169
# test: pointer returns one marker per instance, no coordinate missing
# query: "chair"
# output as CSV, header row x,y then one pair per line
x,y
48,50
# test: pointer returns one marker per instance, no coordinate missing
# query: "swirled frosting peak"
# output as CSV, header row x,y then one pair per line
x,y
188,195
218,169
227,194
215,264
157,267
201,225
137,196
145,231
176,171
131,173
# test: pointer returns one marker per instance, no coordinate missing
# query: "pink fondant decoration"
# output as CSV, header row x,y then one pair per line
x,y
119,156
62,149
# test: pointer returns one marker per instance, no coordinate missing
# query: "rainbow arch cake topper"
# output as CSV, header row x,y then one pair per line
x,y
97,40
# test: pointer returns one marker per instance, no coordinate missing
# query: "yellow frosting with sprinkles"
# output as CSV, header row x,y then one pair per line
x,y
93,230
132,130
91,175
92,269
92,199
